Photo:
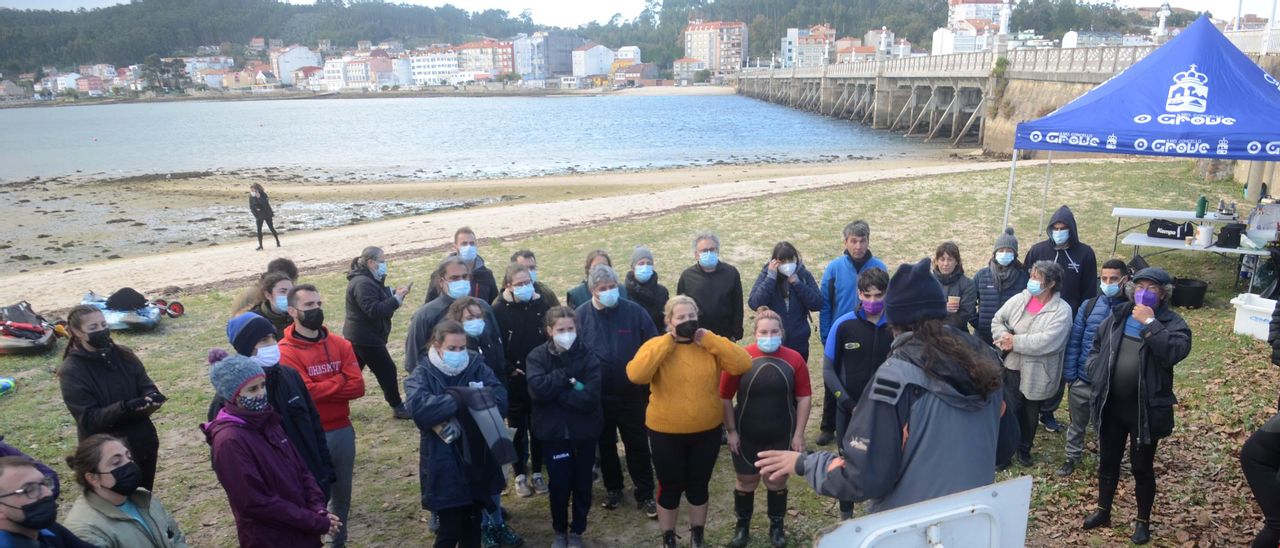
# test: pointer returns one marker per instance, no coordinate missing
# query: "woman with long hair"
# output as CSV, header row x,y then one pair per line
x,y
370,305
260,205
115,510
787,288
962,294
521,311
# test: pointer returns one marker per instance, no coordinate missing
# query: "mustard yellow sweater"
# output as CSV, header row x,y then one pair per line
x,y
684,381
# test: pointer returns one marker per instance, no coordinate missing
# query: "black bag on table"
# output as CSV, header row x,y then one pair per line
x,y
1229,235
1160,228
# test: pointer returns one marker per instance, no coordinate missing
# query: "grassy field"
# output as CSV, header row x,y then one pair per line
x,y
1226,387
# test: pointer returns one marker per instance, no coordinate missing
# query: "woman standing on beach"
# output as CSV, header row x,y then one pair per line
x,y
260,205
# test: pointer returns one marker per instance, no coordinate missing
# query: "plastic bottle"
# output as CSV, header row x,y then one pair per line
x,y
1201,205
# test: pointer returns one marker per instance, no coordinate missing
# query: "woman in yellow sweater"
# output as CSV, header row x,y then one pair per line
x,y
682,369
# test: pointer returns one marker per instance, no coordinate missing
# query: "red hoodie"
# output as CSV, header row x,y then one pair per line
x,y
329,369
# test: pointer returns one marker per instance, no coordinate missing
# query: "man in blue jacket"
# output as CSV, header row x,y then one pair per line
x,y
1075,372
613,329
839,289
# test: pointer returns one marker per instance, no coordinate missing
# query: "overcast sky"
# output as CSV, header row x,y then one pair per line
x,y
571,13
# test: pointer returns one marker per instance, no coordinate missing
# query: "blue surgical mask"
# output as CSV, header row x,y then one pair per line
x,y
454,362
709,259
523,293
280,303
1034,287
1060,236
467,253
1005,258
459,289
644,273
769,345
1109,290
381,272
267,356
474,327
608,298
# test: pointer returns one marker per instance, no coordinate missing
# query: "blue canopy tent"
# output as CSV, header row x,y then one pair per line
x,y
1197,96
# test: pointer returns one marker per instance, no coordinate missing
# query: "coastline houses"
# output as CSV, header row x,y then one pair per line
x,y
284,61
434,67
309,78
592,59
721,44
485,59
91,85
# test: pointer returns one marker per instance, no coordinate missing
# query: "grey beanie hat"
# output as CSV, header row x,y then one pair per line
x,y
1007,239
230,374
641,252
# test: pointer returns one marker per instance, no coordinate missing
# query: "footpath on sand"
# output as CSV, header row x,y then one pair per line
x,y
53,289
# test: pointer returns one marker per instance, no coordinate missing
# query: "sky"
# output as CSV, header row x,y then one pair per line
x,y
571,13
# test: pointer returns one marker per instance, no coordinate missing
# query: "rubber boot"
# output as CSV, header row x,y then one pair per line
x,y
696,535
743,506
668,539
1141,532
777,501
1099,518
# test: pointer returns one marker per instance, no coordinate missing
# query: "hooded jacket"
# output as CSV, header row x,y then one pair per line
x,y
839,288
958,285
370,306
1083,331
273,496
1165,342
483,284
995,284
444,476
1038,351
914,435
719,297
424,320
101,523
792,301
580,295
299,419
329,370
522,331
651,295
614,335
1079,265
561,412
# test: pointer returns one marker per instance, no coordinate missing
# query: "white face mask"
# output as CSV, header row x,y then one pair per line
x,y
267,356
565,340
787,269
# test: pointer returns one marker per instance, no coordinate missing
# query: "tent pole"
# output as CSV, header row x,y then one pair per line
x,y
1008,197
1048,175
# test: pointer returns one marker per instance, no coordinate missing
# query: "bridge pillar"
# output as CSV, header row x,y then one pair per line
x,y
827,90
882,106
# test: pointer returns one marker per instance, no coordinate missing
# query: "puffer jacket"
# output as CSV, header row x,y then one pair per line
x,y
561,412
1037,351
1083,331
792,301
101,523
370,306
651,295
992,293
1166,342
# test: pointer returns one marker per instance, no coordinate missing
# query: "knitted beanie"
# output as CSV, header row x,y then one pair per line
x,y
641,252
231,373
914,294
244,332
1007,240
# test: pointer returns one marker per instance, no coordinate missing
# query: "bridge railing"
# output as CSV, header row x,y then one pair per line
x,y
1103,61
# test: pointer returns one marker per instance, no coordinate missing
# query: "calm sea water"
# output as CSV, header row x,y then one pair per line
x,y
421,137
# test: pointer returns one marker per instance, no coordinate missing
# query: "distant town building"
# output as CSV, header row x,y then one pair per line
x,y
814,47
964,10
210,78
257,43
275,43
364,45
964,37
1028,39
434,67
850,54
334,69
631,53
686,68
65,82
721,44
881,39
91,85
309,78
325,45
1090,39
101,70
484,59
10,89
284,61
592,59
197,64
553,53
393,47
633,74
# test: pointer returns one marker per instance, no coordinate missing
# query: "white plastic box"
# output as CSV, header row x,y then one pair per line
x,y
1253,315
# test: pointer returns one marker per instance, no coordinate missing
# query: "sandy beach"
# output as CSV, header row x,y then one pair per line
x,y
187,270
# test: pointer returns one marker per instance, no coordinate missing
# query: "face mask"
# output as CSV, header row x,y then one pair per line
x,y
467,253
257,404
768,345
280,303
381,272
267,356
1060,236
459,289
1034,287
100,339
644,273
473,327
39,514
709,259
312,319
1146,298
687,329
523,293
1110,290
608,298
872,307
128,478
454,362
1004,258
787,269
565,340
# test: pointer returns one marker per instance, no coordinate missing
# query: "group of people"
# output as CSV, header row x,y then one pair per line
x,y
933,380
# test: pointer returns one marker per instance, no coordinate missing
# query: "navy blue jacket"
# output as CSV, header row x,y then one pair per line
x,y
793,302
561,412
1079,264
614,335
1082,334
991,297
441,473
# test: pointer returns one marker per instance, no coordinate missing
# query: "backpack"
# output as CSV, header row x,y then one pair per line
x,y
126,299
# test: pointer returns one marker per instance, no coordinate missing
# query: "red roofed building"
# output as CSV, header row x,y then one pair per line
x,y
488,56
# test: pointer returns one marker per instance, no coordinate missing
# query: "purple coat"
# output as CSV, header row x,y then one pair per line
x,y
273,496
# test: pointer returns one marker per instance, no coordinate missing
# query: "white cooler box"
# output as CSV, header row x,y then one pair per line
x,y
1253,315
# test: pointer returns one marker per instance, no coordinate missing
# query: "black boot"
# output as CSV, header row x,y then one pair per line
x,y
743,506
1141,532
777,501
668,539
1099,518
695,536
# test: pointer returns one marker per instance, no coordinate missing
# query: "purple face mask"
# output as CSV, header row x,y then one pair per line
x,y
872,307
1146,298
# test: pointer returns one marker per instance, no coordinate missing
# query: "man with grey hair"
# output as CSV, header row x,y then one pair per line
x,y
715,286
614,329
839,289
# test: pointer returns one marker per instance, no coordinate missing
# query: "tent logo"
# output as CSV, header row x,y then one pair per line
x,y
1111,142
1036,136
1223,146
1188,92
1271,148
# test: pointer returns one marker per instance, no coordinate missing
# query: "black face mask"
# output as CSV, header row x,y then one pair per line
x,y
687,330
39,514
128,478
100,339
312,319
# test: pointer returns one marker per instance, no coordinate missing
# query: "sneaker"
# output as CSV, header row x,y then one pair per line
x,y
503,534
539,485
561,541
1051,424
400,412
650,508
433,524
522,487
575,540
1068,468
826,438
1024,459
489,538
612,500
